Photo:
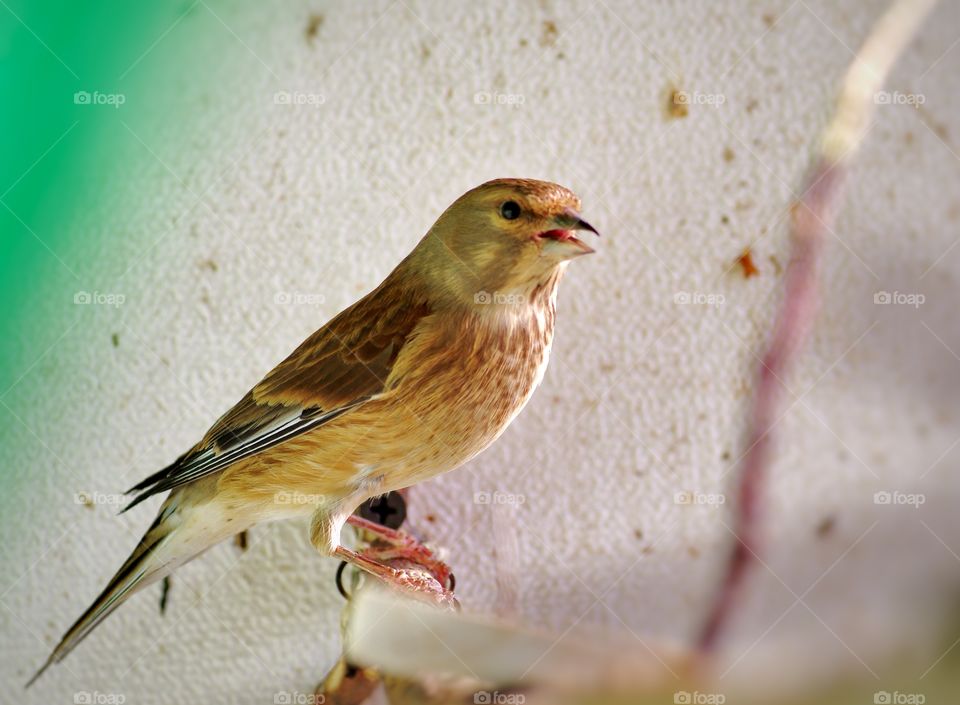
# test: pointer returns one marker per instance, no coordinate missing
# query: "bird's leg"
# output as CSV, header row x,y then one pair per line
x,y
401,546
410,581
391,536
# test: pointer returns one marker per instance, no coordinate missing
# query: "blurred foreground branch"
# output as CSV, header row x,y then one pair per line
x,y
812,218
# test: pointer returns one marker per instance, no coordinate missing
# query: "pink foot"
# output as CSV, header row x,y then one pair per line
x,y
416,583
404,547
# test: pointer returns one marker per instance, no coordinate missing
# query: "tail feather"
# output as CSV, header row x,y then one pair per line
x,y
142,568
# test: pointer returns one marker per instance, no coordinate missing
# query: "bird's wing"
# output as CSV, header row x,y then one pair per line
x,y
336,369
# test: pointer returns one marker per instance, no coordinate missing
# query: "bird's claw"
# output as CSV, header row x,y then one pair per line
x,y
414,552
424,587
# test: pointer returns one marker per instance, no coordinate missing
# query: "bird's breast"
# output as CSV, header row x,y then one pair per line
x,y
464,384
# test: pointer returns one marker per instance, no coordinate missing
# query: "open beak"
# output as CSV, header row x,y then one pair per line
x,y
563,244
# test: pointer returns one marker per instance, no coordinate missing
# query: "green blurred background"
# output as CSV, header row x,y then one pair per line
x,y
54,56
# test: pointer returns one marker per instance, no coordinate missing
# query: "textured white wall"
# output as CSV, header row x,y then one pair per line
x,y
220,199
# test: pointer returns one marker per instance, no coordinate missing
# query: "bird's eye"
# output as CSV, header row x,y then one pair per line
x,y
510,210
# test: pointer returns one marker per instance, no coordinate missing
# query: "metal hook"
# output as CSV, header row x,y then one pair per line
x,y
344,593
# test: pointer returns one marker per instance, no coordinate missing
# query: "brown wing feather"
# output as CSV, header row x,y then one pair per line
x,y
349,358
338,367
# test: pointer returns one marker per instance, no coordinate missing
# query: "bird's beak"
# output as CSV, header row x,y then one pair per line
x,y
562,243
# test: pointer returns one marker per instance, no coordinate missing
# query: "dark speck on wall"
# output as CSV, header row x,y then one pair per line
x,y
549,34
777,267
115,339
241,540
677,105
747,265
826,526
164,594
314,23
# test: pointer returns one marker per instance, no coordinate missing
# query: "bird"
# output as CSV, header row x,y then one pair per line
x,y
411,381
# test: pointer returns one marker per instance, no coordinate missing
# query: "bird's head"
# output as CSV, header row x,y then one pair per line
x,y
505,237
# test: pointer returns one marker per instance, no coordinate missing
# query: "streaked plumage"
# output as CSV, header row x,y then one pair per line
x,y
411,381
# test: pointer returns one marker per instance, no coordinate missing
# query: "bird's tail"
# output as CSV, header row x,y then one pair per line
x,y
157,554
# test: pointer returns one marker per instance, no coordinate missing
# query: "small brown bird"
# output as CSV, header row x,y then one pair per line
x,y
411,381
